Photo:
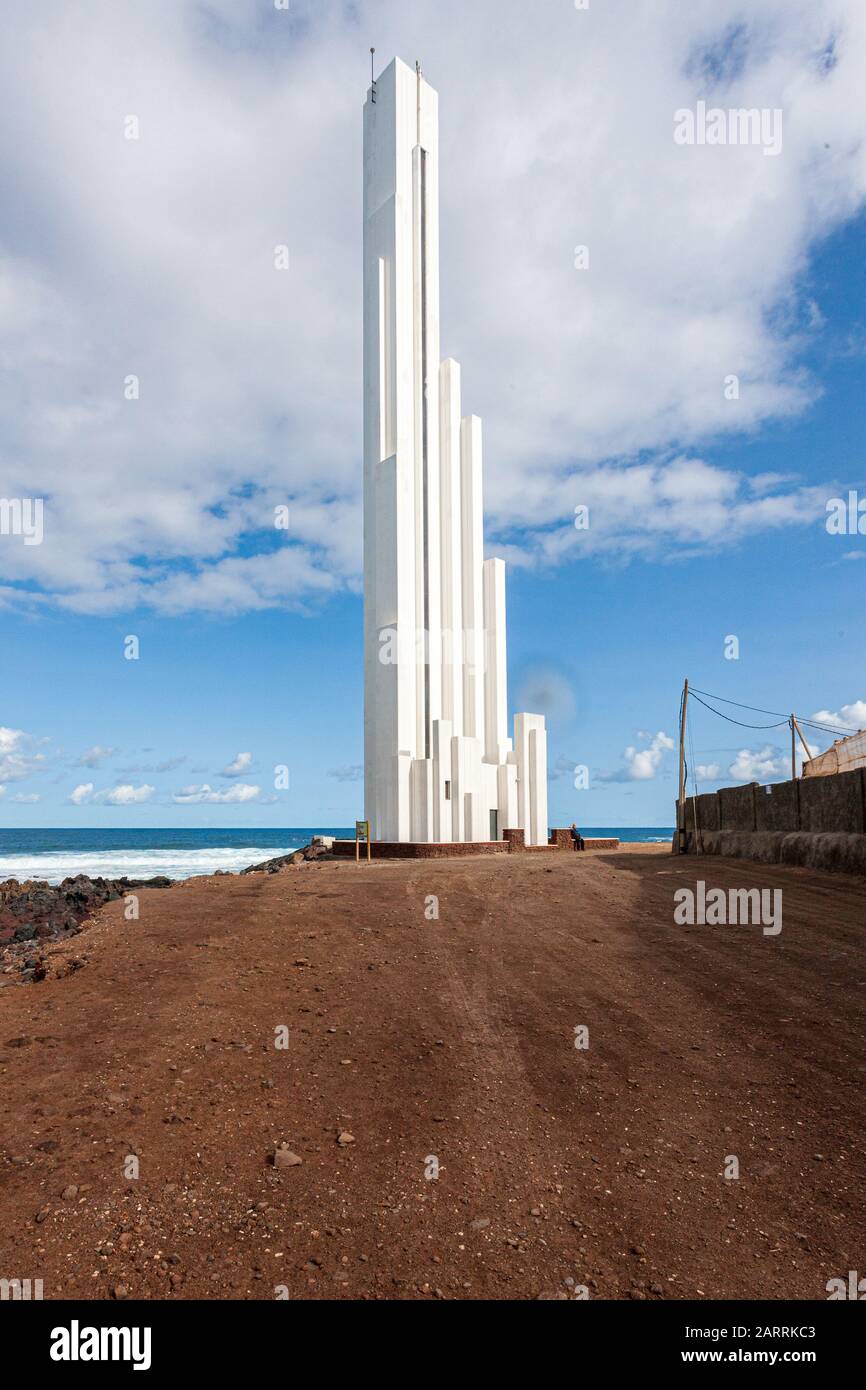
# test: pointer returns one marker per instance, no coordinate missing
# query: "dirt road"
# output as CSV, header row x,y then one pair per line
x,y
441,1043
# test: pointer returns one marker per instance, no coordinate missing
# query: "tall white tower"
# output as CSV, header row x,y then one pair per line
x,y
438,762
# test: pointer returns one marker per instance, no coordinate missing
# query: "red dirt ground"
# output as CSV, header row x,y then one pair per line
x,y
454,1038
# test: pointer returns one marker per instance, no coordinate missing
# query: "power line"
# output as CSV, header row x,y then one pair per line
x,y
783,718
739,722
826,728
756,708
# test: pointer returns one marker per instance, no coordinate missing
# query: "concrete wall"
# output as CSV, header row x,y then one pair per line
x,y
832,853
736,808
818,822
708,812
777,806
833,803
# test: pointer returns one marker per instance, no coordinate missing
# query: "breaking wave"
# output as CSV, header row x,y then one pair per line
x,y
55,865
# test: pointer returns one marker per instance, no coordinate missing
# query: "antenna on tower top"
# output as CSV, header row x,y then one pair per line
x,y
372,76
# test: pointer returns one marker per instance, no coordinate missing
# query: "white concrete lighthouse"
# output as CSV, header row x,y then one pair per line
x,y
438,762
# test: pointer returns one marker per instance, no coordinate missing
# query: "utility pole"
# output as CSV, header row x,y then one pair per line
x,y
681,827
806,748
792,721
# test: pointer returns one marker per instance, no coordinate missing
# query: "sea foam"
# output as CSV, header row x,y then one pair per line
x,y
55,865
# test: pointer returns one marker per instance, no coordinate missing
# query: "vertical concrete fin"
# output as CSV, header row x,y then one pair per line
x,y
473,558
495,675
451,548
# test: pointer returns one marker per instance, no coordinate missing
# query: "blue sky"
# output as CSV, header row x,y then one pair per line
x,y
604,386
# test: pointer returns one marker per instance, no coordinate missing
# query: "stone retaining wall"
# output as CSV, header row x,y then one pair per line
x,y
810,849
819,822
394,849
514,842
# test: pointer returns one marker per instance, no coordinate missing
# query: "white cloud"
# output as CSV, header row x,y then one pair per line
x,y
195,795
708,772
758,766
851,716
641,764
769,763
646,508
600,386
94,756
168,765
18,758
353,773
562,767
240,764
27,798
123,795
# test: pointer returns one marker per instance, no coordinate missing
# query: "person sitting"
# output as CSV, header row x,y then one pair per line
x,y
576,836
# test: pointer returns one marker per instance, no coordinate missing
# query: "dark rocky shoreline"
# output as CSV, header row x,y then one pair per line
x,y
35,913
285,861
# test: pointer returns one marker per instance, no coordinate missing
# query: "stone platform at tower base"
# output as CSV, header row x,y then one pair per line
x,y
513,843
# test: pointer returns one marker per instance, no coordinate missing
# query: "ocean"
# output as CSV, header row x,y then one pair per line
x,y
53,855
